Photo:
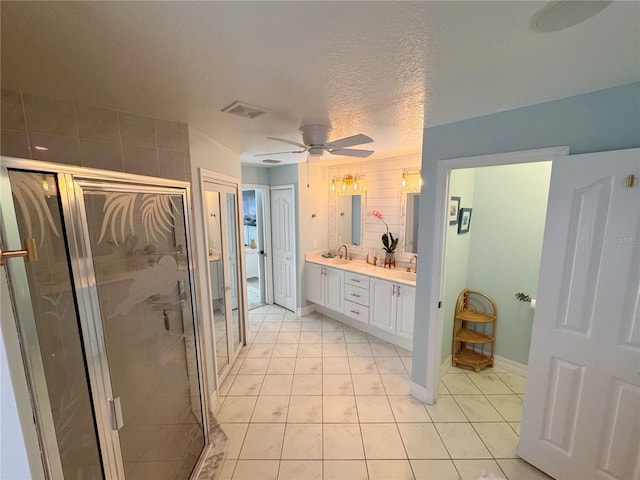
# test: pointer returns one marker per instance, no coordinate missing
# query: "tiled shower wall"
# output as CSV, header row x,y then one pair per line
x,y
89,136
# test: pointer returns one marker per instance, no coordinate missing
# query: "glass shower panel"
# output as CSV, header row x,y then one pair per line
x,y
232,233
139,249
216,271
56,321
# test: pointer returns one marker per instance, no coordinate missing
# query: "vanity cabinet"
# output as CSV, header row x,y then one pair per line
x,y
356,296
392,307
325,286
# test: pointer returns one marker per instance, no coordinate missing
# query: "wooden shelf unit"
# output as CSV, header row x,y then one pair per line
x,y
474,330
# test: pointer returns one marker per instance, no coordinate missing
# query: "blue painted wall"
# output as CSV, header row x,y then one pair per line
x,y
593,122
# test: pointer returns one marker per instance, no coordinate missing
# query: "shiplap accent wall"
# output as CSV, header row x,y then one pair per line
x,y
384,193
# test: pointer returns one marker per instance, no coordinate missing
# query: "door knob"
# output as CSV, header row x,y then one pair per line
x,y
29,251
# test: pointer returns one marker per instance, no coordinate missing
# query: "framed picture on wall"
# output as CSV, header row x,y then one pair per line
x,y
464,220
454,207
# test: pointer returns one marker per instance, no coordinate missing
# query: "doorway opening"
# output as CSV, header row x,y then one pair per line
x,y
255,207
493,244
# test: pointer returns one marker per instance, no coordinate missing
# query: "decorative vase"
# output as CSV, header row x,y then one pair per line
x,y
390,259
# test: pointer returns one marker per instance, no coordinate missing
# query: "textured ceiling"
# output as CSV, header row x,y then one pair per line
x,y
381,68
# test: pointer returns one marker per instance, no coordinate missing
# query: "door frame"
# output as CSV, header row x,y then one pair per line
x,y
290,187
211,177
69,178
435,269
266,233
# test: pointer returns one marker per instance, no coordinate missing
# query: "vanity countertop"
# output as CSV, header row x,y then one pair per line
x,y
399,275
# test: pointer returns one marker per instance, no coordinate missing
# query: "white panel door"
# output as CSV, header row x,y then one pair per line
x,y
581,414
315,283
382,313
334,289
406,307
283,247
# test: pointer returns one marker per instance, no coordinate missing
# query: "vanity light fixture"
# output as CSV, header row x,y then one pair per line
x,y
348,182
411,180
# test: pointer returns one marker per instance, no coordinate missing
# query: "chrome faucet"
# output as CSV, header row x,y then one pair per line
x,y
346,252
413,257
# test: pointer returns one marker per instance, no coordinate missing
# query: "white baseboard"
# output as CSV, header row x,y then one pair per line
x,y
418,392
511,365
306,310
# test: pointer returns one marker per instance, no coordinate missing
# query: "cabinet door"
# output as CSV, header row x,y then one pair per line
x,y
406,309
334,289
315,283
382,310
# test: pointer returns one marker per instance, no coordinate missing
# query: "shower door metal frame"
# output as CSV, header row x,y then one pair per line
x,y
71,181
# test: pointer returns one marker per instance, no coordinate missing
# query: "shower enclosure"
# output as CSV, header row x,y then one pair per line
x,y
105,313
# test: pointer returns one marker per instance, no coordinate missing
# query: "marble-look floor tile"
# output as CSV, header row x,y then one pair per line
x,y
364,384
302,441
236,409
509,406
434,470
339,409
334,350
276,385
253,469
254,366
283,350
374,409
345,470
336,365
270,409
499,438
489,383
246,385
310,350
333,337
518,469
395,383
305,409
389,469
446,410
281,366
408,409
337,385
300,470
308,366
462,441
355,337
384,350
515,382
382,441
363,365
263,441
359,350
260,350
342,441
390,365
226,472
474,469
516,427
477,408
307,385
288,337
310,337
235,434
421,441
458,383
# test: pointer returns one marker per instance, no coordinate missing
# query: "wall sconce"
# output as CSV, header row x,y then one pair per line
x,y
348,182
411,180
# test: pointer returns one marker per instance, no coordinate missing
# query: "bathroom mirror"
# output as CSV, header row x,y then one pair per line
x,y
412,203
349,219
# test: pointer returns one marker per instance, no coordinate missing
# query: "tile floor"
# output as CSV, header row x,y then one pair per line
x,y
311,398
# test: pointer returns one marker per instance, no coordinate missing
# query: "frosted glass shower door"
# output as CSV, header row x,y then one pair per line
x,y
137,237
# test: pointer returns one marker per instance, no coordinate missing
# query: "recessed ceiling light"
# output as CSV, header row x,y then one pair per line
x,y
271,161
40,147
562,14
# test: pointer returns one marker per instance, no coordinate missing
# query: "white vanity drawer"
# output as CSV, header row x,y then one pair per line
x,y
356,279
355,311
356,294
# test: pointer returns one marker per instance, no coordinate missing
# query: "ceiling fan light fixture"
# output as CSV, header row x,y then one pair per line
x,y
316,151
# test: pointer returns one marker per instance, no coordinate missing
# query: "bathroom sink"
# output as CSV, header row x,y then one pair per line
x,y
337,261
402,275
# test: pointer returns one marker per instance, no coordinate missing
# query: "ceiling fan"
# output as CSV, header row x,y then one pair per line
x,y
314,142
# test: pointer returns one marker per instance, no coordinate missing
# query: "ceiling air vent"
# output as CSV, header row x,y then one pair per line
x,y
271,161
244,110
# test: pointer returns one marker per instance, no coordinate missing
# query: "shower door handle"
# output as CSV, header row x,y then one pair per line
x,y
115,412
30,251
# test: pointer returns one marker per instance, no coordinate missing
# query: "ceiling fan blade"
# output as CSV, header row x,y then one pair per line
x,y
358,139
351,152
277,153
284,140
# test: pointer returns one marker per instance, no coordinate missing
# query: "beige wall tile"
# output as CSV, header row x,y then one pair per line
x,y
137,130
50,116
173,164
141,160
168,134
96,123
15,144
60,149
12,112
101,155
